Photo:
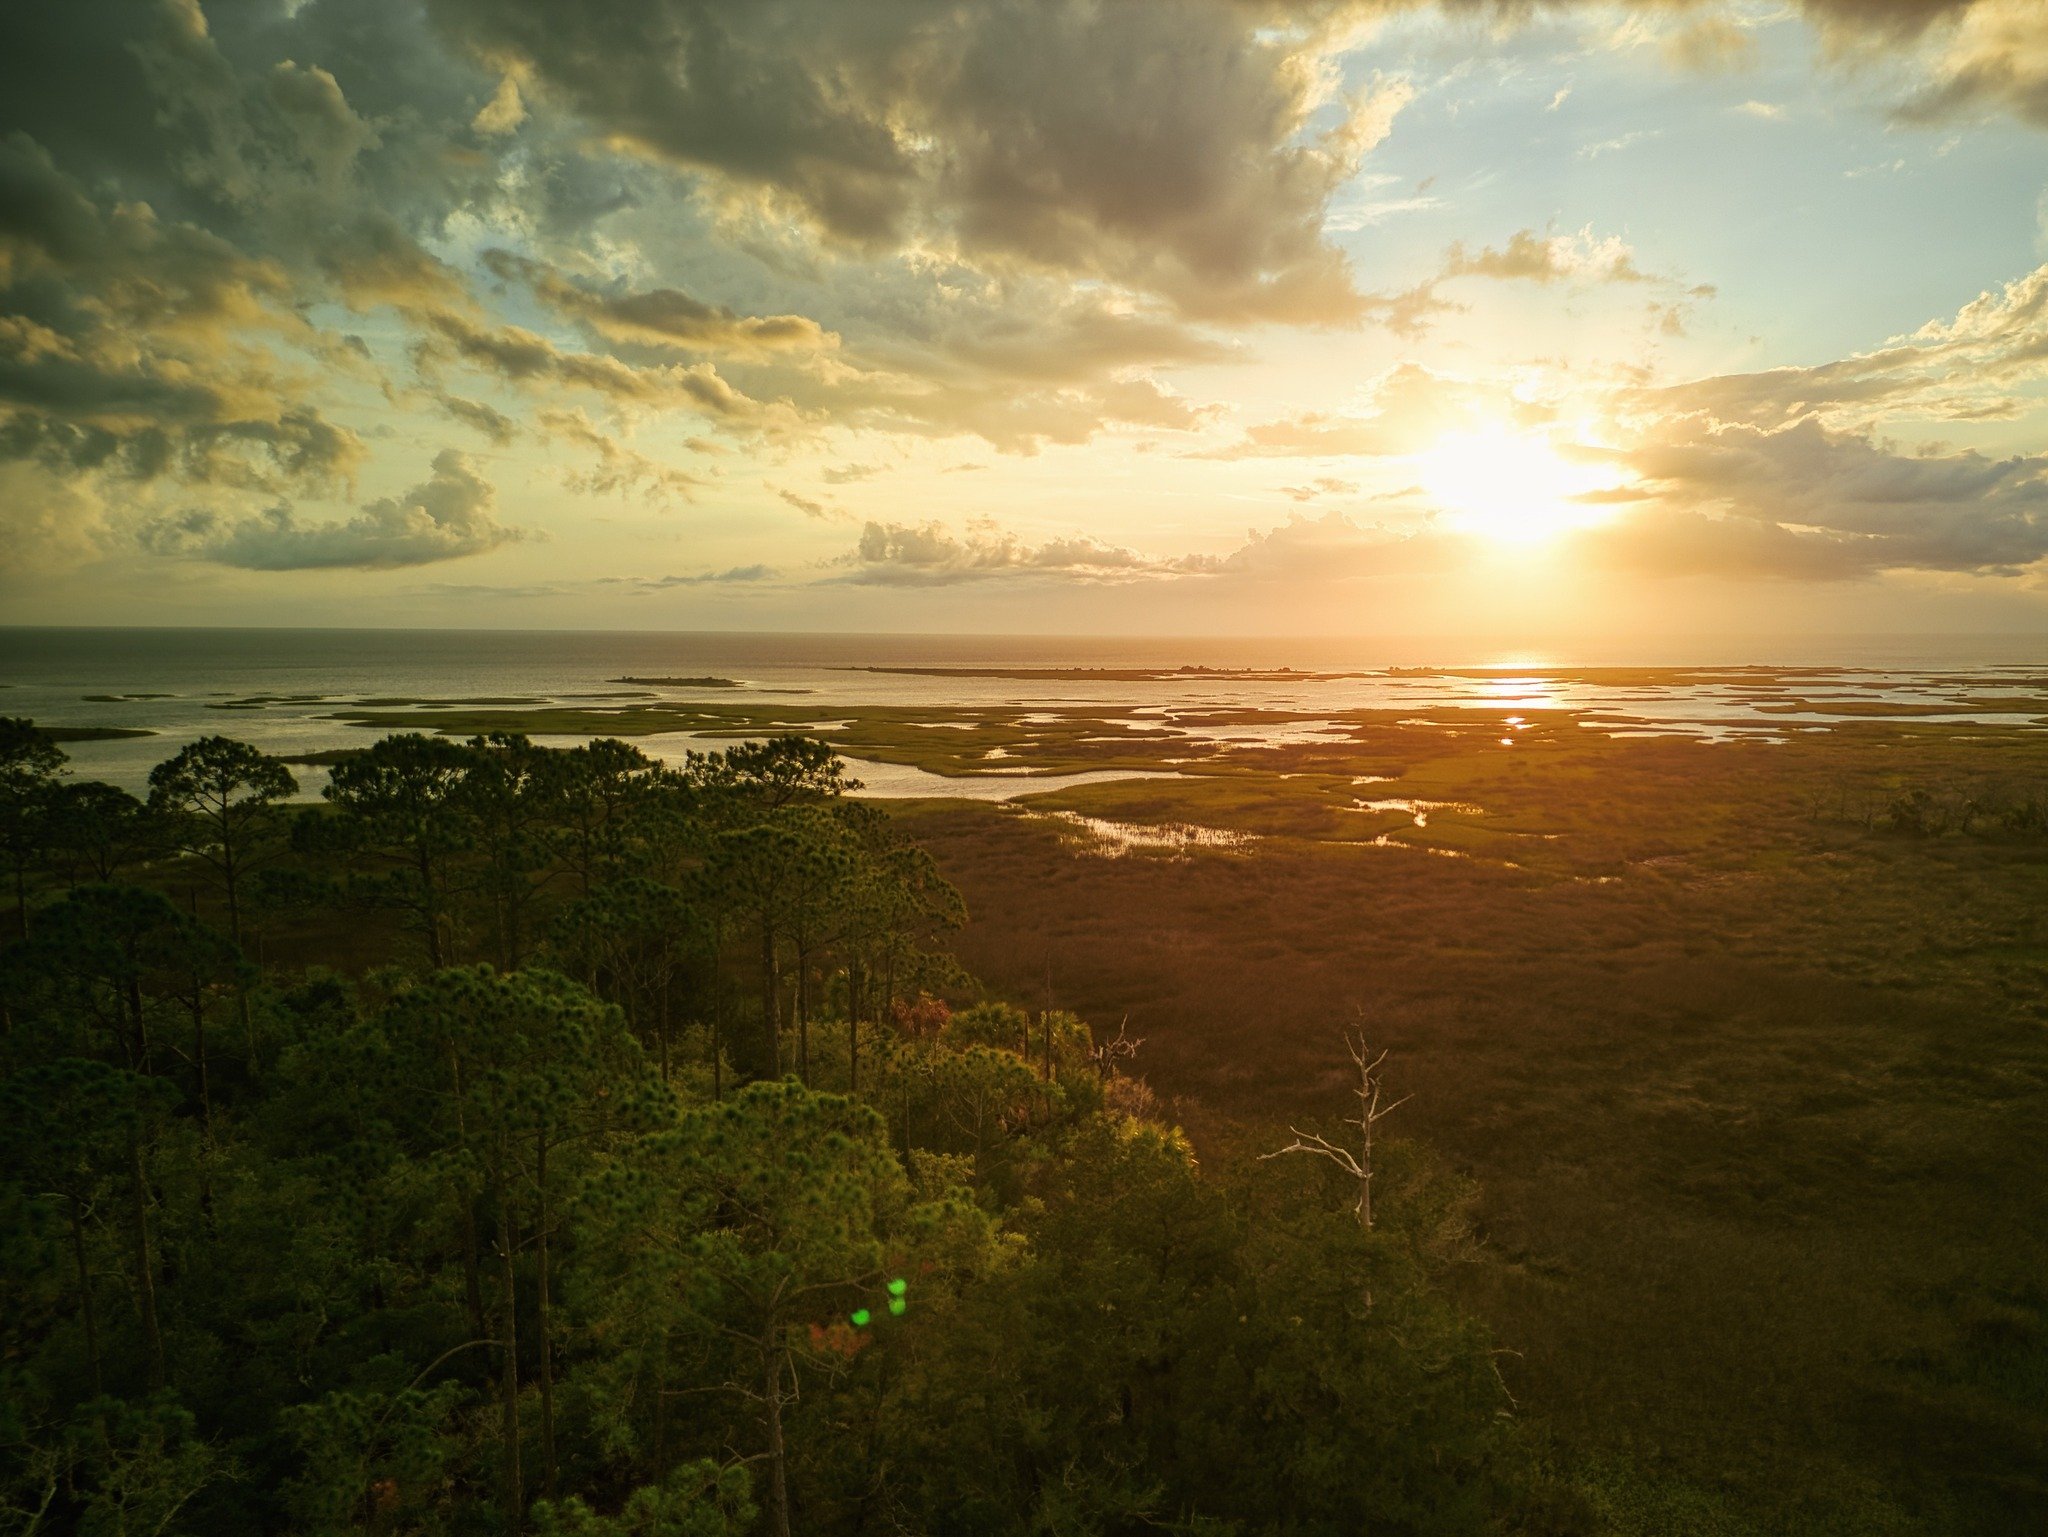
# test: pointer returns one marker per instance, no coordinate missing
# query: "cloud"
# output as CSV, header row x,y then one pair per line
x,y
662,317
235,239
1403,410
504,112
1962,369
734,575
1985,56
1323,486
619,468
1306,552
488,420
1627,140
1009,417
118,350
1537,258
1822,502
51,522
449,515
1021,364
1300,553
1710,45
1168,149
808,507
525,357
930,555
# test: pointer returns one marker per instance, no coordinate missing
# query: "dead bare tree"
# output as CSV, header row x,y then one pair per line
x,y
1119,1048
1358,1163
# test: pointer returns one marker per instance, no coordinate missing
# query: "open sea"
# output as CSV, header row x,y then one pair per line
x,y
281,689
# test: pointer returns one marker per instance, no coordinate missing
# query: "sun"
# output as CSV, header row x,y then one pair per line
x,y
1511,487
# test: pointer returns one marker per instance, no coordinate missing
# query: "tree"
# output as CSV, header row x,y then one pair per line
x,y
894,908
401,815
127,1468
1356,1163
215,800
369,1456
818,899
504,795
29,765
631,939
97,830
752,872
776,773
505,1073
754,1220
68,1126
698,1499
593,790
102,967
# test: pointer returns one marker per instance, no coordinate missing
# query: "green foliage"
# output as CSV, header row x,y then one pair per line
x,y
29,765
214,800
372,1461
699,1499
116,1469
452,1243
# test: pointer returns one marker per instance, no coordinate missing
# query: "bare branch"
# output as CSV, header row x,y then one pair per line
x,y
1370,1112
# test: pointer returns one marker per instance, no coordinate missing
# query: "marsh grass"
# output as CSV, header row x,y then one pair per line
x,y
1756,1099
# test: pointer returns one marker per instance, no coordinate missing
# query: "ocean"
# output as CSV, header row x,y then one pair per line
x,y
280,689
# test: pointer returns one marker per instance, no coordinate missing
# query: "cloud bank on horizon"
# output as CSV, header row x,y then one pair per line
x,y
1342,315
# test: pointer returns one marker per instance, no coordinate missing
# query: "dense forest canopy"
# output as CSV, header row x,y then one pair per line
x,y
528,1139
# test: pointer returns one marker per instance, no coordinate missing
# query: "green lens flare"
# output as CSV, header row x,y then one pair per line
x,y
898,1287
896,1307
860,1317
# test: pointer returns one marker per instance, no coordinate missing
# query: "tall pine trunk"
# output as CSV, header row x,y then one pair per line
x,y
853,1027
803,1015
85,1307
145,1264
430,909
778,1455
547,1373
472,1247
508,1385
770,1002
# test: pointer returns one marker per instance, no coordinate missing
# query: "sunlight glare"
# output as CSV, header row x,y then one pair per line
x,y
1511,487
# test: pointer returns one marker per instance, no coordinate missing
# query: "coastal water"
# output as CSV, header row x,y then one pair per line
x,y
281,689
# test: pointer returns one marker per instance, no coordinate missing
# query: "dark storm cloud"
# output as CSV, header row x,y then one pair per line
x,y
1166,147
451,514
119,349
298,449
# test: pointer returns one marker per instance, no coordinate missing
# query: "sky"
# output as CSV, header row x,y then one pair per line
x,y
1054,316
